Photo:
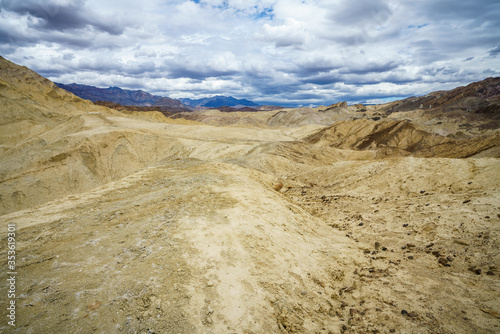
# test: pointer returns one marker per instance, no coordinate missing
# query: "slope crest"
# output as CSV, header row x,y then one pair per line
x,y
399,138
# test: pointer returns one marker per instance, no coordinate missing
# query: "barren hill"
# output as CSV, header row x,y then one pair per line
x,y
139,223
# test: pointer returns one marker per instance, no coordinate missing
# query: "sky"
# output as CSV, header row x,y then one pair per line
x,y
281,52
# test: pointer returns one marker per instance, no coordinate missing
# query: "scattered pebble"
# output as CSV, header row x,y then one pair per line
x,y
444,262
475,270
409,314
94,306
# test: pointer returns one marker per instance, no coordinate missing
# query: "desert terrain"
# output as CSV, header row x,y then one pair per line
x,y
337,219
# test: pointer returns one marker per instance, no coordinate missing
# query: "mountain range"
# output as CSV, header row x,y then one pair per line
x,y
218,101
144,99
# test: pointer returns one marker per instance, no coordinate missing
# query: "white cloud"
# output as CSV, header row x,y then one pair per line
x,y
291,33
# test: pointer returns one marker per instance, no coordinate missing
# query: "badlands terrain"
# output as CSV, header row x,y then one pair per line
x,y
337,219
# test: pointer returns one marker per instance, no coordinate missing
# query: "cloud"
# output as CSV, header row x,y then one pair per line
x,y
61,16
218,65
495,51
356,12
288,51
291,33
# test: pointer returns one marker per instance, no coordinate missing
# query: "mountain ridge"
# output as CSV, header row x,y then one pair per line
x,y
121,96
140,98
218,101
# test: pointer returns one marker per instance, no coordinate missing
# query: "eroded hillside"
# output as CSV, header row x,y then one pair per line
x,y
137,223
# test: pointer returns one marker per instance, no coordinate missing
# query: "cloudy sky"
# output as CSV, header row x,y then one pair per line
x,y
287,52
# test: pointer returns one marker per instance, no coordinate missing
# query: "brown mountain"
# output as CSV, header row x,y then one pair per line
x,y
472,98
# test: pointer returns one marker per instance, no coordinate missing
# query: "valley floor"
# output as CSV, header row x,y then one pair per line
x,y
190,246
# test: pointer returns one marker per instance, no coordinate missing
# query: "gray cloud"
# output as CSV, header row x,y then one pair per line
x,y
495,51
53,15
356,12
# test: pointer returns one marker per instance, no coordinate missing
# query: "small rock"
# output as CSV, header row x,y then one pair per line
x,y
475,270
94,306
490,273
466,201
429,245
377,245
303,293
384,248
405,225
410,257
443,261
352,311
360,224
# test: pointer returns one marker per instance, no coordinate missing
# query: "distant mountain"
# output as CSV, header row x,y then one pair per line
x,y
218,101
121,96
141,98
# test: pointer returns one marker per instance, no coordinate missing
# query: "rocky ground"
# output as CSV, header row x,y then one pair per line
x,y
136,223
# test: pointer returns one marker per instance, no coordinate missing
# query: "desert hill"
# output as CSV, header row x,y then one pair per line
x,y
338,219
473,97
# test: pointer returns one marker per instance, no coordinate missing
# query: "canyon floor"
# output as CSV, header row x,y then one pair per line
x,y
259,222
